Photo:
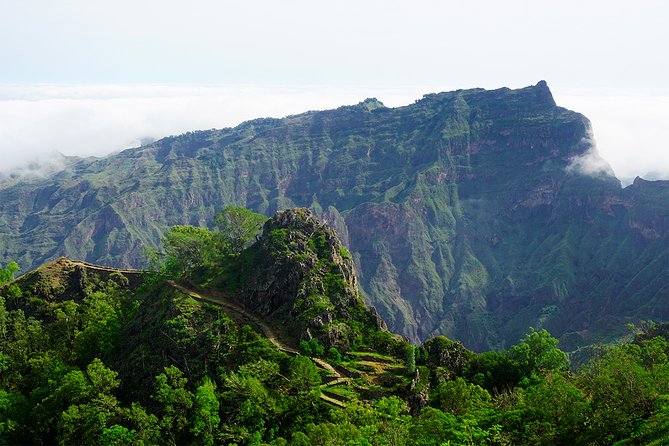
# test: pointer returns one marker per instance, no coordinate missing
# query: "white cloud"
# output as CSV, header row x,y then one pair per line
x,y
590,162
630,126
37,122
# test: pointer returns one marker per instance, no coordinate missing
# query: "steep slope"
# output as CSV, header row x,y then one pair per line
x,y
466,213
299,275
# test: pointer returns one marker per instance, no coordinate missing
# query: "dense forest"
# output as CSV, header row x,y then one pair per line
x,y
205,348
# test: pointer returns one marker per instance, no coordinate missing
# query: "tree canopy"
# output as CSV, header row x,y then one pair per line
x,y
187,248
7,274
238,226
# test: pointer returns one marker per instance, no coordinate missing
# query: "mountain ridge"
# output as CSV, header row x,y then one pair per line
x,y
460,210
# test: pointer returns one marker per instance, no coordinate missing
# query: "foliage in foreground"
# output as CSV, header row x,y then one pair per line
x,y
70,374
111,366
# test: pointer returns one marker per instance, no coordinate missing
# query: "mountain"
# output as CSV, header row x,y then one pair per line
x,y
473,214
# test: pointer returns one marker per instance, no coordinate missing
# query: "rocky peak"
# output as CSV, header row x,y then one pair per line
x,y
371,104
299,219
304,278
542,94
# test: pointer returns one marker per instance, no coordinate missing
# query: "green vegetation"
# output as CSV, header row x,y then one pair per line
x,y
238,227
118,365
411,359
185,249
7,274
311,348
188,248
461,213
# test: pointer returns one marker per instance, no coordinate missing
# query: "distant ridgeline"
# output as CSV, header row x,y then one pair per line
x,y
473,214
239,340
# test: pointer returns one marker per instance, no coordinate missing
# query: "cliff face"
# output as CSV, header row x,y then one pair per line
x,y
467,214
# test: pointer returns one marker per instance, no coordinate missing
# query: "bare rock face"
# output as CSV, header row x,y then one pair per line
x,y
419,394
303,276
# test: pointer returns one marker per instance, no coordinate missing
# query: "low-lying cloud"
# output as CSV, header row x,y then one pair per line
x,y
630,126
40,124
590,162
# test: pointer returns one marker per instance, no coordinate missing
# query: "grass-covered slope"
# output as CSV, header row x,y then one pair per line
x,y
465,213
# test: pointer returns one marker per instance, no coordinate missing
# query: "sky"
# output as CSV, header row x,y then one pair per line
x,y
85,77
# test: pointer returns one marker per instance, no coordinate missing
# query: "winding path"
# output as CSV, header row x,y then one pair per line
x,y
107,268
239,314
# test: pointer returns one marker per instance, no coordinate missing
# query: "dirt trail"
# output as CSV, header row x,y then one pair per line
x,y
238,313
235,311
107,268
337,381
332,401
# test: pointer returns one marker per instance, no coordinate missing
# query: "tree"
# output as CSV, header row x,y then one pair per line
x,y
410,359
305,348
185,249
103,379
117,435
246,398
98,408
334,356
493,371
537,353
459,397
555,410
394,421
146,427
100,326
4,321
623,387
316,348
238,227
303,375
175,400
205,417
7,274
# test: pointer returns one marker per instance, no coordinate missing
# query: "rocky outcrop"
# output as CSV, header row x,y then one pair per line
x,y
442,352
301,274
418,394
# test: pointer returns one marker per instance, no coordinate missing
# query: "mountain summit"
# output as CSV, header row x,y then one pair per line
x,y
299,274
473,213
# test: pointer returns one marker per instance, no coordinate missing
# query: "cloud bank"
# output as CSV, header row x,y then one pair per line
x,y
630,127
590,162
39,124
